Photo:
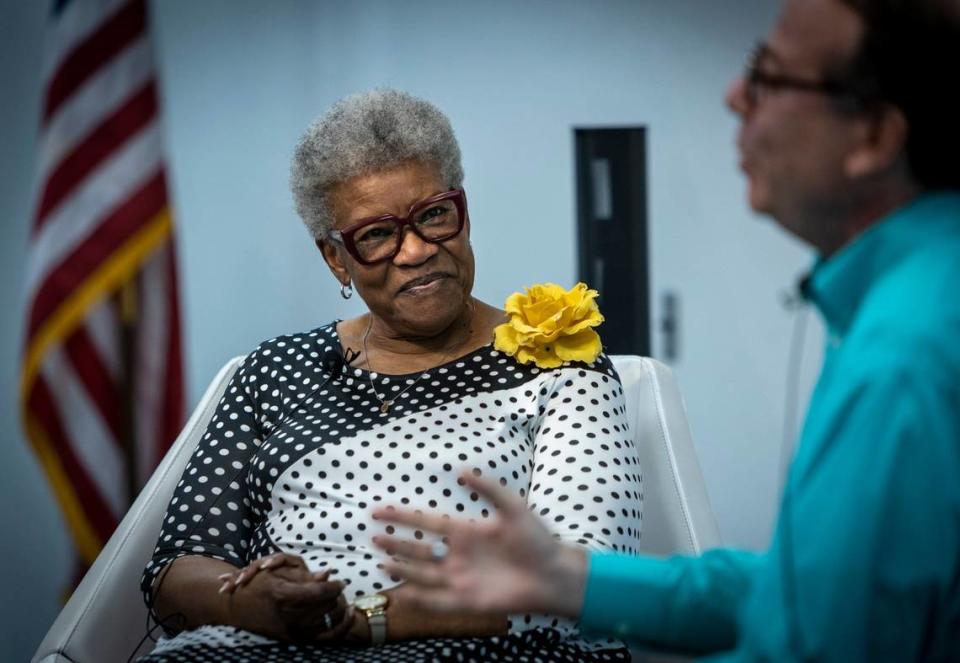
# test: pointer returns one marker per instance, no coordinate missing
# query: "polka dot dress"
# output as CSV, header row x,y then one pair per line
x,y
296,456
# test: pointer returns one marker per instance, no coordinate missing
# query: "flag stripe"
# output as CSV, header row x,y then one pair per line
x,y
95,449
72,25
102,326
87,156
59,472
99,384
97,511
89,254
97,197
104,280
79,115
110,38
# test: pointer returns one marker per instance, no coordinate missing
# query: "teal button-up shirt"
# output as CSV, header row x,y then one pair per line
x,y
865,560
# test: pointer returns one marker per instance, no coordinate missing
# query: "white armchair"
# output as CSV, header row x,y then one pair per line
x,y
677,518
105,619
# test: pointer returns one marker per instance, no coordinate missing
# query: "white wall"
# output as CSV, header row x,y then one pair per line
x,y
241,80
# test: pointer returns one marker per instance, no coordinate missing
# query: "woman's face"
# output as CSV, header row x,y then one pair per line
x,y
425,287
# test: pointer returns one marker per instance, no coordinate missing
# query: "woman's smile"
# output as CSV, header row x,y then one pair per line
x,y
424,285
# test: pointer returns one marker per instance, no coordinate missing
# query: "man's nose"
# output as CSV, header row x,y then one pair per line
x,y
737,98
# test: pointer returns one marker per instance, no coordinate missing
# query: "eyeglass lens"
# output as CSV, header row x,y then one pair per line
x,y
436,222
752,73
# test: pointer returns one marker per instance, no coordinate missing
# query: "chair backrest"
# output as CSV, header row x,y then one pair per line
x,y
105,619
677,518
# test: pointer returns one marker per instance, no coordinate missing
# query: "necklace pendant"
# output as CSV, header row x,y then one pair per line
x,y
385,407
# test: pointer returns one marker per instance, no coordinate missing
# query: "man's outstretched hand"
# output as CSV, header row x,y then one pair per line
x,y
508,564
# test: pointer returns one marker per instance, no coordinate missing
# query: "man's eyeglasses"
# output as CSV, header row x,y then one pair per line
x,y
435,219
759,82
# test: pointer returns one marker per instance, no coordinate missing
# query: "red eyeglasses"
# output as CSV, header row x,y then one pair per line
x,y
435,219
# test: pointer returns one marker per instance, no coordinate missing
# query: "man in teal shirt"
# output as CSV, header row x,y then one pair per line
x,y
865,562
850,139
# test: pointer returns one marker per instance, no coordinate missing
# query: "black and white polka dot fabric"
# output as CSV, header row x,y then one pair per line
x,y
295,457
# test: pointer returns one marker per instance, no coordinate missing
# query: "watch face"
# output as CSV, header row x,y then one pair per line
x,y
370,602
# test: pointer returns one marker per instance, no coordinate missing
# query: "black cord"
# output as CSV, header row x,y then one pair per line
x,y
160,624
791,398
797,303
62,654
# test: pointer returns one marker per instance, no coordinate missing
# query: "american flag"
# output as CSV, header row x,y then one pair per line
x,y
102,378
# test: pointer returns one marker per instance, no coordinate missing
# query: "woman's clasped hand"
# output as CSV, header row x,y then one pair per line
x,y
278,596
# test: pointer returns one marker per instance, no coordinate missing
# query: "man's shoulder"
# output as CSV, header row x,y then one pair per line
x,y
912,315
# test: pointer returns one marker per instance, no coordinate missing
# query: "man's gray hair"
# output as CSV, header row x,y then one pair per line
x,y
367,133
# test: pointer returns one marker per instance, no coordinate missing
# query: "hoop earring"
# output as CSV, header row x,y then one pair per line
x,y
346,290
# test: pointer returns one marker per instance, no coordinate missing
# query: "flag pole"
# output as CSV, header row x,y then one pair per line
x,y
128,328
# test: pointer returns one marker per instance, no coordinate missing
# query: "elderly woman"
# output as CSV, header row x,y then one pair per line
x,y
265,552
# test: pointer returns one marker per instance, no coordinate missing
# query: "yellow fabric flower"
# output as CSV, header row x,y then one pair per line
x,y
549,325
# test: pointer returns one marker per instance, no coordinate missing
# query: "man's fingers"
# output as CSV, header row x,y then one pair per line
x,y
505,502
421,573
417,519
404,548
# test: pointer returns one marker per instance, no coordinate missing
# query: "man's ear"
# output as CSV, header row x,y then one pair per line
x,y
883,146
332,257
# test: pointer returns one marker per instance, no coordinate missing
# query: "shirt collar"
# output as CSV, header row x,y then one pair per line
x,y
838,285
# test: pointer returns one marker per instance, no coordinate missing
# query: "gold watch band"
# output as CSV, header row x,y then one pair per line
x,y
377,619
374,608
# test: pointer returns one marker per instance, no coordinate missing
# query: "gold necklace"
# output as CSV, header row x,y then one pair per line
x,y
385,403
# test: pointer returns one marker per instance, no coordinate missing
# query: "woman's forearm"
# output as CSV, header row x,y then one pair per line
x,y
407,622
415,623
186,593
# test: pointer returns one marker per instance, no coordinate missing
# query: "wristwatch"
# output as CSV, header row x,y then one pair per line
x,y
375,608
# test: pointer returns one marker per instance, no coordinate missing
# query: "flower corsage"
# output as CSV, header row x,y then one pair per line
x,y
549,325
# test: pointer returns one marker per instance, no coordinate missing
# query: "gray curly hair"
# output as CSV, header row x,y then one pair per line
x,y
367,133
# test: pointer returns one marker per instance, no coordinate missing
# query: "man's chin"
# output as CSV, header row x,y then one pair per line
x,y
757,199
